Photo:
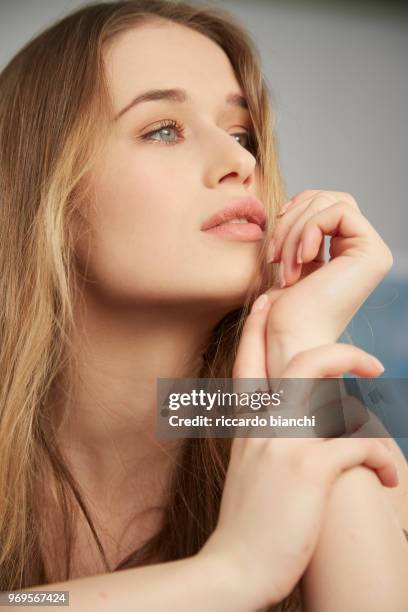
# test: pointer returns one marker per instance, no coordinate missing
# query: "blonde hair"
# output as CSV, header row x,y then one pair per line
x,y
55,111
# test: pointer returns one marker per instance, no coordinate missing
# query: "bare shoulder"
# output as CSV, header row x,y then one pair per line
x,y
398,496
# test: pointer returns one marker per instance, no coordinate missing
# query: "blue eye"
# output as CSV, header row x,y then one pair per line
x,y
167,126
164,126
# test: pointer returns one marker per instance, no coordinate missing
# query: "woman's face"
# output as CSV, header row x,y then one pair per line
x,y
153,194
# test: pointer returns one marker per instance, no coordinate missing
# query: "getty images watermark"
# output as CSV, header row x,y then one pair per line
x,y
252,401
320,407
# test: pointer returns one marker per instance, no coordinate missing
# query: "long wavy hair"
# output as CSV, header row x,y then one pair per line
x,y
55,112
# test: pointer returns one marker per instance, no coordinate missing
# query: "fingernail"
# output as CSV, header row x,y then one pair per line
x,y
282,275
299,256
378,364
260,302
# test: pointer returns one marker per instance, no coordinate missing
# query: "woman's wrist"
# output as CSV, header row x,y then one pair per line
x,y
280,352
283,347
234,584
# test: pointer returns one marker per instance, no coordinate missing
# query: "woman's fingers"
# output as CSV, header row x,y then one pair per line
x,y
327,361
303,240
308,194
341,454
250,360
287,241
315,199
332,360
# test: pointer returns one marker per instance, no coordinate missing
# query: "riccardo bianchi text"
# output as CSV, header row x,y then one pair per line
x,y
255,421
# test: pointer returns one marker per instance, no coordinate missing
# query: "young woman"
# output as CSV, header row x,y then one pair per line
x,y
124,128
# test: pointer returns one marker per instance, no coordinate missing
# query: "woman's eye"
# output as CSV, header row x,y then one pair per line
x,y
167,127
248,139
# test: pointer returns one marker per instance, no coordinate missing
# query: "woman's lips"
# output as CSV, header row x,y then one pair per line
x,y
249,232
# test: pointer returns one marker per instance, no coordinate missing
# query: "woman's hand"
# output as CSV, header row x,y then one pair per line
x,y
276,489
319,299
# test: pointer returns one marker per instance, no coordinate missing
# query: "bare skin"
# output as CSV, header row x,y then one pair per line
x,y
139,316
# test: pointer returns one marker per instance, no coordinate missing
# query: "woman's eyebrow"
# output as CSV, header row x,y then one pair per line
x,y
176,95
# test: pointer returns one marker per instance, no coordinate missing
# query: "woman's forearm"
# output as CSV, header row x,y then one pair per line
x,y
194,583
361,560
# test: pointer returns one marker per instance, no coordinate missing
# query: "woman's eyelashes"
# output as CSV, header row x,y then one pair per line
x,y
167,126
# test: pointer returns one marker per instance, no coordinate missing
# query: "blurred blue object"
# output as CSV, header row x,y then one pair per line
x,y
380,327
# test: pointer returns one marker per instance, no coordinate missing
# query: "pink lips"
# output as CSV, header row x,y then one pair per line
x,y
249,232
247,207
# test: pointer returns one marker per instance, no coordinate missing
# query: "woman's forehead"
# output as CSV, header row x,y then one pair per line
x,y
166,55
